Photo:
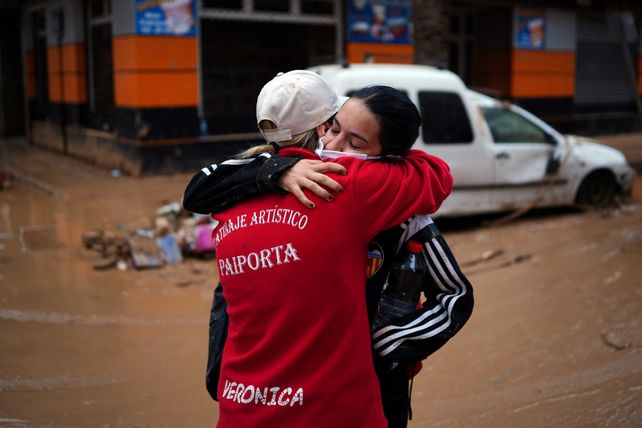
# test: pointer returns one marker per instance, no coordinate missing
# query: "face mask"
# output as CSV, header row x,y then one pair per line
x,y
333,154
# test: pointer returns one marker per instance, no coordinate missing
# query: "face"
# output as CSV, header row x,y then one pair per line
x,y
354,130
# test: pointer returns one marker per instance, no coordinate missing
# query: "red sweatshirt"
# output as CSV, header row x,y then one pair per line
x,y
298,352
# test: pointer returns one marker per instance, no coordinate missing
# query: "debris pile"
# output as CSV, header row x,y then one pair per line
x,y
175,234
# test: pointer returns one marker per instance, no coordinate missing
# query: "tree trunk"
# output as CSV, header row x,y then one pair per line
x,y
431,28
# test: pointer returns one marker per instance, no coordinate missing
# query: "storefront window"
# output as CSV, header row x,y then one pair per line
x,y
272,5
317,7
100,65
100,8
294,34
223,4
39,21
461,45
234,73
41,106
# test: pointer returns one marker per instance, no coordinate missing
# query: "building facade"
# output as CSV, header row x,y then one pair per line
x,y
152,86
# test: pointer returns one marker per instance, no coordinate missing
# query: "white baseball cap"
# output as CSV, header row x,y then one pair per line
x,y
296,102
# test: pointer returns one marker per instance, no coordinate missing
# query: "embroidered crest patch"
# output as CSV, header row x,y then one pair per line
x,y
375,258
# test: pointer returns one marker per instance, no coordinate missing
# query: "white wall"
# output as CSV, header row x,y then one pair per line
x,y
123,14
561,29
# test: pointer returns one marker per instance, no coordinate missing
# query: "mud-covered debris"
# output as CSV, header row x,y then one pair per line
x,y
521,258
485,256
105,243
173,209
204,243
122,265
169,248
174,233
92,238
615,341
145,253
106,263
183,284
167,242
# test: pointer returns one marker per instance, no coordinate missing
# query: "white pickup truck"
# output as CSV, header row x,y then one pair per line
x,y
501,156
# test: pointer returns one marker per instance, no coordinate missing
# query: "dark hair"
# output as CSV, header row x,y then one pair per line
x,y
398,117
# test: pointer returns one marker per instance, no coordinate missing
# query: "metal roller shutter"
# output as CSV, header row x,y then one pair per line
x,y
601,74
243,44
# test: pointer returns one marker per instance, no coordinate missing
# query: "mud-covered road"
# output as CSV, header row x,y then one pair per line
x,y
555,338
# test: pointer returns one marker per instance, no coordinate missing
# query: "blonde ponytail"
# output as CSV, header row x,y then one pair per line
x,y
307,140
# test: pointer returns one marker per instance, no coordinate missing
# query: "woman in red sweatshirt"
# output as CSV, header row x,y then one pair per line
x,y
298,352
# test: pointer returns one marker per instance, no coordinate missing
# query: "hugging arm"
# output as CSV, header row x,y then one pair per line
x,y
219,186
448,306
389,193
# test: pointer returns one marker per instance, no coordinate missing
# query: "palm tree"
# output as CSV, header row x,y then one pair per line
x,y
431,28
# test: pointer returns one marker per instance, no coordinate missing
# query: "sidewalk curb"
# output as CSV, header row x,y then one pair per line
x,y
37,184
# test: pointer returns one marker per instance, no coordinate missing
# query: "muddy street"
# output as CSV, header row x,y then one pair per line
x,y
555,338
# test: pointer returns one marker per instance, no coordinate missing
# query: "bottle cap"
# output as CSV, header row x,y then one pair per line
x,y
414,246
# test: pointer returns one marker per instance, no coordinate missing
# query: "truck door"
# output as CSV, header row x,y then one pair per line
x,y
521,153
450,130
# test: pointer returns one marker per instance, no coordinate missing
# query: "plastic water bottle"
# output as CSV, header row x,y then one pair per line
x,y
401,293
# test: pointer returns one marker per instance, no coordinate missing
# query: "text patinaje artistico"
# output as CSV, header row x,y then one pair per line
x,y
267,257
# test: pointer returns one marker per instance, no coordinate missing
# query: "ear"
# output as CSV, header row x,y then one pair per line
x,y
322,129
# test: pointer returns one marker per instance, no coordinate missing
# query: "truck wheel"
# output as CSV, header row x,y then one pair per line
x,y
597,190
